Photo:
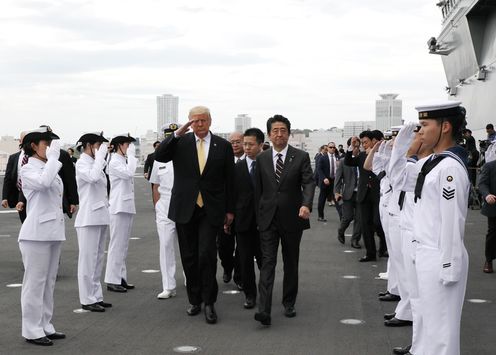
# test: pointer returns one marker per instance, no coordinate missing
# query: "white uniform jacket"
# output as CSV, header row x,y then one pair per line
x,y
92,190
122,184
163,175
440,214
43,189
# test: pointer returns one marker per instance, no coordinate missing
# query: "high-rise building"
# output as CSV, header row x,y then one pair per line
x,y
388,112
167,107
242,123
354,128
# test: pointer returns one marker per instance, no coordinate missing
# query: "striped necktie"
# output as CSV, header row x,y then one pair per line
x,y
23,162
279,167
201,162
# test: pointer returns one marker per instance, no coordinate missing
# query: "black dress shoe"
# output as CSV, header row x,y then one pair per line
x,y
341,238
402,351
356,245
395,322
56,335
383,293
389,316
365,259
322,219
126,285
384,254
193,309
263,318
249,303
389,298
105,304
226,277
290,312
210,314
95,307
116,288
43,341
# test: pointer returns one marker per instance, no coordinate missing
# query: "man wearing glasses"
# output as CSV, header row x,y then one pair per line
x,y
327,172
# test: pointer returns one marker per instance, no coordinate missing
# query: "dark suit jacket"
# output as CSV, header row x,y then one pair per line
x,y
367,181
345,180
487,185
216,183
149,164
245,197
68,175
324,168
296,188
9,191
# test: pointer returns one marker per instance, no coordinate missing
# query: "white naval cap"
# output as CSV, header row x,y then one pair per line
x,y
442,109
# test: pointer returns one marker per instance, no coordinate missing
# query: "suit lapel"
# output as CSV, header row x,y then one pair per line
x,y
268,160
194,153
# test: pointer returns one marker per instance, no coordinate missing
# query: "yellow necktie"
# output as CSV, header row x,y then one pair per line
x,y
201,164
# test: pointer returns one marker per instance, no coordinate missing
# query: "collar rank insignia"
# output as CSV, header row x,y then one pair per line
x,y
448,193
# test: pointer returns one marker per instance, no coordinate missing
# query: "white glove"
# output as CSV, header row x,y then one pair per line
x,y
53,151
405,137
131,151
101,152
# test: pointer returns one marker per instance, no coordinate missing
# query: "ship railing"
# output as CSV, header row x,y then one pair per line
x,y
447,7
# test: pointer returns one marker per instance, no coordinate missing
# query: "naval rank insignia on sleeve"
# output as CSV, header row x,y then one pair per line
x,y
448,193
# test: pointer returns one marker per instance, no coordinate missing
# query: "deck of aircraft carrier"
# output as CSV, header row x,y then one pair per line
x,y
333,287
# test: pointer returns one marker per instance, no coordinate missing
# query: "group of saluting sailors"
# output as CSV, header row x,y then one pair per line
x,y
262,200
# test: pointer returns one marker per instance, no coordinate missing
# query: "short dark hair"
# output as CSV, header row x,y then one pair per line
x,y
348,142
378,135
278,118
255,132
466,130
155,143
72,150
28,150
367,134
489,126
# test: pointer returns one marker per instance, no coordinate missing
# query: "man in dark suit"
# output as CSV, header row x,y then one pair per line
x,y
345,188
284,192
247,236
326,172
487,188
150,158
368,194
202,202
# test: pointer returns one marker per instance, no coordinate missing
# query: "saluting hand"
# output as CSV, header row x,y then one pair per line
x,y
181,131
101,152
53,151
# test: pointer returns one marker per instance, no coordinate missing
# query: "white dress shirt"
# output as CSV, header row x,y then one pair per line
x,y
283,157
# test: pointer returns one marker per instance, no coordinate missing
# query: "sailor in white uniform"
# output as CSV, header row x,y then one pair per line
x,y
121,169
41,235
162,178
92,220
441,200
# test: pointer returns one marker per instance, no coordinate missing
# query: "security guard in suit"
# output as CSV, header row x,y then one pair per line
x,y
41,235
162,178
92,220
121,169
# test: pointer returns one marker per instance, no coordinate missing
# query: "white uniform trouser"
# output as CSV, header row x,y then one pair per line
x,y
441,306
121,225
397,268
167,234
392,283
91,241
41,263
411,284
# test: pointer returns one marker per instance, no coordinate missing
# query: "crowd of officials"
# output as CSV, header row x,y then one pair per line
x,y
240,199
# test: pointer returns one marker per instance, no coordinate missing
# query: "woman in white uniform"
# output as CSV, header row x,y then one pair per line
x,y
41,235
441,200
162,178
92,220
121,169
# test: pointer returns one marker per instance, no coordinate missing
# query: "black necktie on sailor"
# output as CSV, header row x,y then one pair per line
x,y
23,162
252,172
426,168
279,167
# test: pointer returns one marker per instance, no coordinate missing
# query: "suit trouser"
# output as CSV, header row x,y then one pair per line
x,y
269,243
369,213
325,190
41,263
441,306
121,225
350,213
167,233
491,239
22,214
249,248
228,253
91,241
197,244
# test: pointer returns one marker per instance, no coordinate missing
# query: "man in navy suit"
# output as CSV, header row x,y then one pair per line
x,y
202,202
327,166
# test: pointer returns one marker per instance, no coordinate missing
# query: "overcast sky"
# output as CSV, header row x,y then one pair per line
x,y
86,65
